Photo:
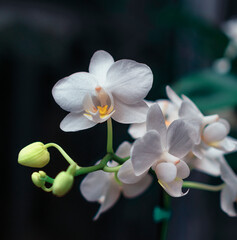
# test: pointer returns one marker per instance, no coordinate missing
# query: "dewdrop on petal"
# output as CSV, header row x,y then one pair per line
x,y
34,155
64,181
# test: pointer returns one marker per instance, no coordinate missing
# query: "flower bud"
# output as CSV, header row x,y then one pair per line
x,y
37,180
34,155
64,181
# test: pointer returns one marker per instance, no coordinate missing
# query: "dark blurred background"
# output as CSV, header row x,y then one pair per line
x,y
44,41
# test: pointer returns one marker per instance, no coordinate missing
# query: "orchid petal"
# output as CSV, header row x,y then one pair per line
x,y
227,145
129,81
137,130
215,132
94,185
100,63
166,172
124,149
227,201
179,142
197,150
109,199
183,170
188,109
227,174
146,151
75,122
155,121
69,92
134,190
134,113
126,173
173,96
174,188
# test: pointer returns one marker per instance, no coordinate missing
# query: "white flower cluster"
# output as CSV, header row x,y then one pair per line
x,y
171,136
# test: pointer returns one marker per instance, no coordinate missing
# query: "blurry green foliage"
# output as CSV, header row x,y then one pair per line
x,y
209,90
211,40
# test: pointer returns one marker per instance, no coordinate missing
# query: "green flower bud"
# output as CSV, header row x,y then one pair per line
x,y
37,180
64,181
34,155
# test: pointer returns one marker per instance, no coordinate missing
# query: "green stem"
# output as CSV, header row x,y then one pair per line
x,y
119,159
202,186
112,169
100,166
65,155
166,205
109,136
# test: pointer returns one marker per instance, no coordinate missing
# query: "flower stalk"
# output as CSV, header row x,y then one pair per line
x,y
109,136
64,154
202,186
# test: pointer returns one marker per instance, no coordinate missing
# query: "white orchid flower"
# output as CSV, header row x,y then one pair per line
x,y
109,89
229,192
209,163
169,110
211,131
162,149
104,188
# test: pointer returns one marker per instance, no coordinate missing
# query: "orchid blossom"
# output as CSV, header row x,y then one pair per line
x,y
105,188
169,110
212,129
109,89
162,149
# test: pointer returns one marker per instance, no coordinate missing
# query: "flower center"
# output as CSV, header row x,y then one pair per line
x,y
99,105
103,110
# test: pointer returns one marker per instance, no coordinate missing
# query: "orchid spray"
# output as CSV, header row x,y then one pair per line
x,y
171,137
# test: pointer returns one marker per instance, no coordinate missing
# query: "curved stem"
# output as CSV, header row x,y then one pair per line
x,y
119,159
112,169
100,166
203,186
109,136
65,155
